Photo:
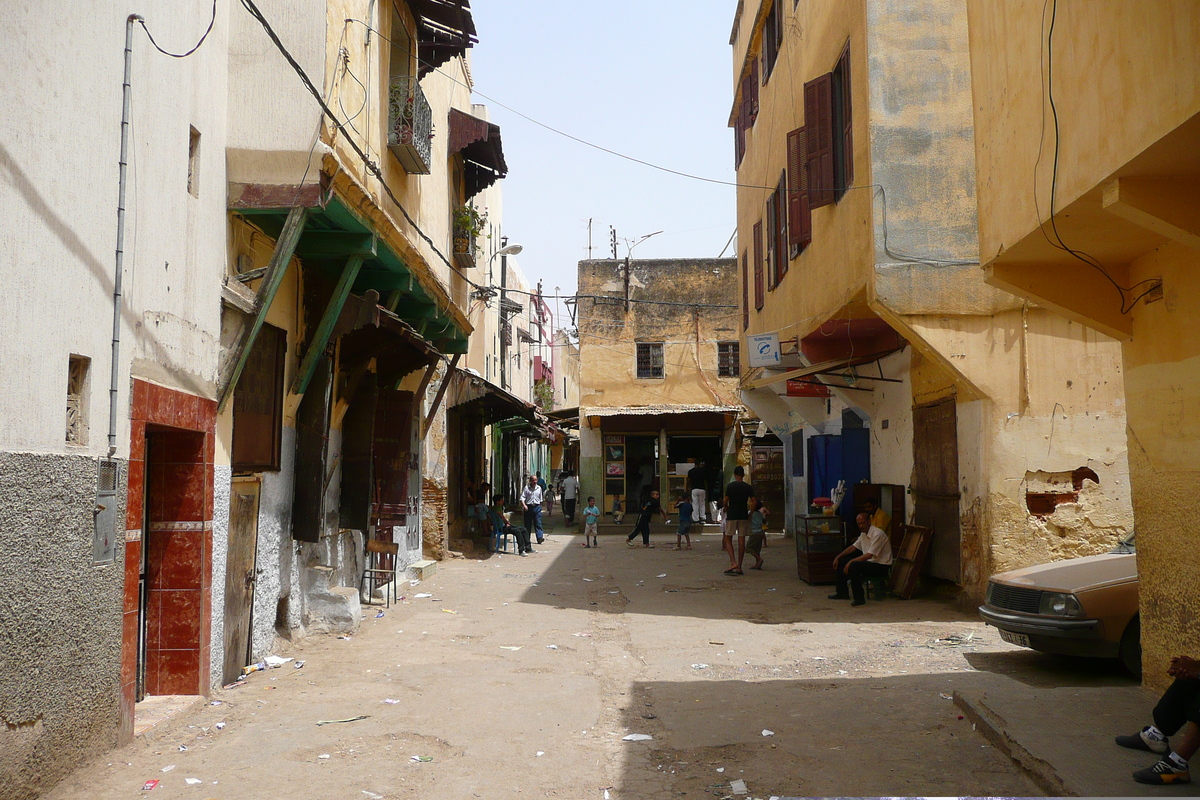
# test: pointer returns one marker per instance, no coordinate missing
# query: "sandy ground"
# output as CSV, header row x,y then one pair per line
x,y
519,677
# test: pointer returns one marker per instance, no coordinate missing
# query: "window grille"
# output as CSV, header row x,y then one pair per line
x,y
650,360
728,361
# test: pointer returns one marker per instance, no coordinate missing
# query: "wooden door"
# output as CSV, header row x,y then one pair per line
x,y
393,457
935,485
240,575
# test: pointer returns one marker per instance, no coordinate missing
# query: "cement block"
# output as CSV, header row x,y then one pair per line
x,y
422,570
335,609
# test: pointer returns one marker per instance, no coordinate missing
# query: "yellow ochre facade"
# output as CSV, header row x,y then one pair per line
x,y
1116,161
1003,420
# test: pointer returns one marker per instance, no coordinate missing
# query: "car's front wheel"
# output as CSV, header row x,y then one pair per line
x,y
1131,647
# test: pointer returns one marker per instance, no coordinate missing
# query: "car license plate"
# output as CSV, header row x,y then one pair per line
x,y
1015,638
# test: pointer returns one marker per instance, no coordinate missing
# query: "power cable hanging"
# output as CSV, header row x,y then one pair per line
x,y
207,31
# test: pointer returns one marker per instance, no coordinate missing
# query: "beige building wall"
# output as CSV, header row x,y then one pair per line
x,y
1126,86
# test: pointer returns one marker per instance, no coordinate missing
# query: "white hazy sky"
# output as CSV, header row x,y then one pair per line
x,y
647,78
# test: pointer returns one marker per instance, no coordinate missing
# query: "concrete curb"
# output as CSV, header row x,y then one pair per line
x,y
991,725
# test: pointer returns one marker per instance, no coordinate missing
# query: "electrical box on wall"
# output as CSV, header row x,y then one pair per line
x,y
105,529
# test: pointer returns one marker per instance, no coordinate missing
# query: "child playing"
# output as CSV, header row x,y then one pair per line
x,y
616,510
591,523
684,506
758,531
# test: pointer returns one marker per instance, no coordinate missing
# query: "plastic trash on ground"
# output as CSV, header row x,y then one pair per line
x,y
767,732
148,785
738,787
193,781
637,737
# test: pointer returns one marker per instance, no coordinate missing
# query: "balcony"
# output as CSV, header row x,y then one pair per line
x,y
410,125
464,246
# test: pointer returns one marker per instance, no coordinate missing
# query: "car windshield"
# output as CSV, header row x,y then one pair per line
x,y
1126,545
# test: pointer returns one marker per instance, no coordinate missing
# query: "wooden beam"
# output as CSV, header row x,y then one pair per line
x,y
337,245
1168,206
325,328
441,392
285,246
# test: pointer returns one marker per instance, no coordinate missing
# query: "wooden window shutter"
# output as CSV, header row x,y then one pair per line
x,y
312,443
772,241
781,229
258,404
799,214
745,292
847,131
758,267
752,82
818,122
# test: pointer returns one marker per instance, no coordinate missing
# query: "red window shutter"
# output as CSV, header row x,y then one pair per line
x,y
752,80
799,218
772,240
745,292
818,122
758,267
739,136
847,131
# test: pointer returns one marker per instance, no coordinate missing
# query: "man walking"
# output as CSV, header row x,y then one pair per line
x,y
570,494
737,519
531,502
697,479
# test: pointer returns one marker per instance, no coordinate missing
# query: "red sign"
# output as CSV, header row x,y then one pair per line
x,y
799,387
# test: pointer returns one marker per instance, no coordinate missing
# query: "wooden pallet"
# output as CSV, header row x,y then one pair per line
x,y
906,566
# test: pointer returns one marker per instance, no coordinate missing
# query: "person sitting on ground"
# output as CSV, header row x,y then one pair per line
x,y
591,523
869,557
737,519
1179,707
617,514
684,507
758,531
651,507
499,518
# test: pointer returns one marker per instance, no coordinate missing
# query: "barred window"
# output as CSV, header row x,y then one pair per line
x,y
650,360
728,362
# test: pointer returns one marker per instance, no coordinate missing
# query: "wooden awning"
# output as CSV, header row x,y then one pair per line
x,y
445,29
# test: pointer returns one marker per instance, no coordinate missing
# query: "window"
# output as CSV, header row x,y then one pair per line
x,y
746,112
745,291
777,261
772,38
799,215
758,267
650,360
258,404
193,184
829,156
77,385
728,361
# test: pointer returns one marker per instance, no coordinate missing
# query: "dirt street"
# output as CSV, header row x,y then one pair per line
x,y
519,677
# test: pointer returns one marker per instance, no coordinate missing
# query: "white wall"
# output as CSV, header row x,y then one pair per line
x,y
58,168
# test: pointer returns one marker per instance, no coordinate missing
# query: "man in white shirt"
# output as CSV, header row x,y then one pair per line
x,y
570,494
869,557
531,503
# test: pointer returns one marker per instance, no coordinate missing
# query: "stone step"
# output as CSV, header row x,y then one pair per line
x,y
422,570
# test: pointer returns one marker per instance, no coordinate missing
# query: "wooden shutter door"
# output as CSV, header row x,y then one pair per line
x,y
772,241
781,230
758,266
847,131
818,122
393,456
745,292
799,214
312,442
258,404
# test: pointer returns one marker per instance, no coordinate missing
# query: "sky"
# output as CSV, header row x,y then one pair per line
x,y
647,78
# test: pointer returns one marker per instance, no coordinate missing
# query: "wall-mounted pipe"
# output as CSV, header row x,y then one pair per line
x,y
120,259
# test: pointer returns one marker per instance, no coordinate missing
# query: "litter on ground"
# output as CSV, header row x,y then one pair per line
x,y
336,721
637,737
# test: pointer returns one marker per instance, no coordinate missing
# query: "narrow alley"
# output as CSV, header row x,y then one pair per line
x,y
506,677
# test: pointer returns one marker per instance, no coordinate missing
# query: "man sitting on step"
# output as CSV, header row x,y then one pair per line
x,y
1178,708
869,557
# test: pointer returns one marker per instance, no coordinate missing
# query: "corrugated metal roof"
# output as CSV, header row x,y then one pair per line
x,y
654,410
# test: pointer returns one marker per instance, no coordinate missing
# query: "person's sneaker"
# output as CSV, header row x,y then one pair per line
x,y
1144,740
1164,773
859,603
531,550
629,542
839,597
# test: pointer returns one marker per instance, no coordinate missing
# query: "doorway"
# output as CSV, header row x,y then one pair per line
x,y
641,469
935,485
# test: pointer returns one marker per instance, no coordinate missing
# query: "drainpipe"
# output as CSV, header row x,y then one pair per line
x,y
120,259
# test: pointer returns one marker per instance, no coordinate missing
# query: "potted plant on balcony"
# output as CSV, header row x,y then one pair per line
x,y
469,225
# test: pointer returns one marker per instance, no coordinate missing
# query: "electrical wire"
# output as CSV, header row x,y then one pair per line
x,y
207,31
1091,261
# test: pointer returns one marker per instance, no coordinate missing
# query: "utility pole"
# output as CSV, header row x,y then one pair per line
x,y
589,238
503,312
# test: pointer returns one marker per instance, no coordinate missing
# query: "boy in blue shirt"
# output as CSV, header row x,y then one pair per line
x,y
591,523
685,523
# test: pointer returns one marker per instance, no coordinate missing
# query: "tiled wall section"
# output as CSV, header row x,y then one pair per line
x,y
180,537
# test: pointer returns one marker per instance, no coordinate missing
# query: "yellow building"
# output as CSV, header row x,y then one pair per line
x,y
1001,421
1087,123
658,373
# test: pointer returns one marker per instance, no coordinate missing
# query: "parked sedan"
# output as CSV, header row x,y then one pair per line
x,y
1078,607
